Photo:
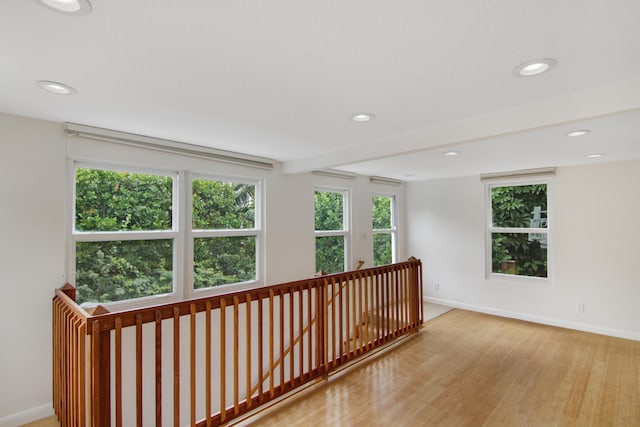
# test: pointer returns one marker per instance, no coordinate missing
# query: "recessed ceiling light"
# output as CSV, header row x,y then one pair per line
x,y
69,7
451,153
594,155
535,67
55,87
362,117
582,132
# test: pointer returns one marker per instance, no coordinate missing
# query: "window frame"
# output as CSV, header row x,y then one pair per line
x,y
346,223
181,232
393,231
490,230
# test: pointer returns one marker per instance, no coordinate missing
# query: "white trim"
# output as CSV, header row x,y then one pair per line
x,y
525,173
332,173
168,146
537,319
27,416
384,181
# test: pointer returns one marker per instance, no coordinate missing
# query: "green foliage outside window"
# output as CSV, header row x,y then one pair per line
x,y
120,270
382,253
382,220
519,253
122,201
221,205
329,210
330,254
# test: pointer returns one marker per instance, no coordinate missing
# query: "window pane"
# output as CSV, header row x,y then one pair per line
x,y
223,260
382,253
330,254
122,201
329,210
223,205
120,270
381,213
519,253
519,206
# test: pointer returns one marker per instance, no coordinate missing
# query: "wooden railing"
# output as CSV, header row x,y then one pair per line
x,y
208,361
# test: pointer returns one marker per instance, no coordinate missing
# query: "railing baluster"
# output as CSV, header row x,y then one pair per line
x,y
83,378
118,377
340,322
354,313
366,312
360,314
325,323
271,387
281,325
347,326
176,367
397,288
192,362
139,370
387,290
158,344
309,333
301,334
223,363
236,408
260,350
207,363
248,350
333,320
291,341
72,371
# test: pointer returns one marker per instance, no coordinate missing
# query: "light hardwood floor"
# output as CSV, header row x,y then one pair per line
x,y
471,369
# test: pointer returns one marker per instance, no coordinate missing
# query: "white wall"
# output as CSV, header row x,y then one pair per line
x,y
33,191
32,176
594,251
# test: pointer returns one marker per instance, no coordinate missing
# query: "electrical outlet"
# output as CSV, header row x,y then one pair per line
x,y
437,286
580,307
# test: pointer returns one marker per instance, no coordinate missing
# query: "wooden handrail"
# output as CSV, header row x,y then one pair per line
x,y
341,316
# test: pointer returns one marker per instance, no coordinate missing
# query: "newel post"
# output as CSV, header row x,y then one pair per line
x,y
100,370
416,288
69,290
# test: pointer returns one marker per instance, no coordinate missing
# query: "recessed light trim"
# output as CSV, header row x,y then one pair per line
x,y
55,87
535,67
451,153
594,155
362,117
68,7
581,132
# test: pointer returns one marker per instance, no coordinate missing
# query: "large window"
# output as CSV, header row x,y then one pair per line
x,y
518,232
129,240
384,230
331,229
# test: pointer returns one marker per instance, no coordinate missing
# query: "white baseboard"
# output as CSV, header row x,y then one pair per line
x,y
30,415
537,319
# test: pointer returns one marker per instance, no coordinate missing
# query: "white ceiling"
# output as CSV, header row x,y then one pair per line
x,y
281,78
